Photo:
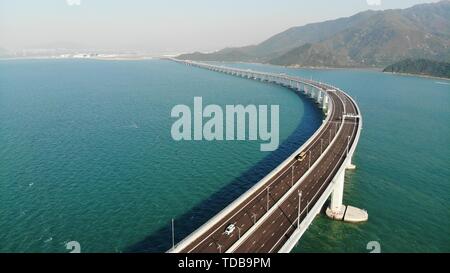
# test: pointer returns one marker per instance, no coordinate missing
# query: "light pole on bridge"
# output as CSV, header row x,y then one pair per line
x,y
292,175
173,234
254,217
348,143
299,210
309,163
268,192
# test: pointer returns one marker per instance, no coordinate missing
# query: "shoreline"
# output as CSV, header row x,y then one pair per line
x,y
115,58
377,69
308,67
143,58
416,75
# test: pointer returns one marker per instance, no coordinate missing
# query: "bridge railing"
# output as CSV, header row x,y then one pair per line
x,y
281,79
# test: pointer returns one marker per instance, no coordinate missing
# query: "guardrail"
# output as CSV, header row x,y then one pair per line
x,y
285,80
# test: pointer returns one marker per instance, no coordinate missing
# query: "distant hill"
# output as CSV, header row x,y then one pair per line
x,y
370,38
281,43
421,67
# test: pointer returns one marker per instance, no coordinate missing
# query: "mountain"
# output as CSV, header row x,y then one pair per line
x,y
370,38
421,67
282,42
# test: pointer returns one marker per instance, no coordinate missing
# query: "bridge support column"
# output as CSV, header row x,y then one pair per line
x,y
319,97
325,102
350,166
337,210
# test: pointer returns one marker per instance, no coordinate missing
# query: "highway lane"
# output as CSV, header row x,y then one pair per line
x,y
276,229
283,222
256,206
249,211
319,188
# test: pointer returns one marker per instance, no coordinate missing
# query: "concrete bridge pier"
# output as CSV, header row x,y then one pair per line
x,y
337,210
314,94
325,102
319,97
349,165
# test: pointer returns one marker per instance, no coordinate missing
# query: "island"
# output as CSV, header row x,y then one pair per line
x,y
421,67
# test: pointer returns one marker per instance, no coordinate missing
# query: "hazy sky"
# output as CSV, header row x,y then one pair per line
x,y
165,26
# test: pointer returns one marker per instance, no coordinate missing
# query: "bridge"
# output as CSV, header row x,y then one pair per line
x,y
273,214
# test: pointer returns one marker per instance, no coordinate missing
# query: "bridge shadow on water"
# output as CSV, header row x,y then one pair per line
x,y
161,240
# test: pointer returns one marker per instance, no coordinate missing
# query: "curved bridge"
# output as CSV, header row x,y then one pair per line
x,y
273,214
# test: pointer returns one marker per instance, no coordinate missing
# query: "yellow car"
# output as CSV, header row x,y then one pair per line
x,y
301,156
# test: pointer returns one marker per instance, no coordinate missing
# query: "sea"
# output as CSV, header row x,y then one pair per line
x,y
86,155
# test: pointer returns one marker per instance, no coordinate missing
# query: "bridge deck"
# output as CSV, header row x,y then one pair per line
x,y
328,149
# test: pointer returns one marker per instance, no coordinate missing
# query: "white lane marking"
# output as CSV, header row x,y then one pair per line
x,y
276,179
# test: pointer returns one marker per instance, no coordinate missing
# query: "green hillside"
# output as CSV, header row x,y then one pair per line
x,y
421,67
370,38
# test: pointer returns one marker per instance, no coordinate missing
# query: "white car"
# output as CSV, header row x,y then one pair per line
x,y
230,229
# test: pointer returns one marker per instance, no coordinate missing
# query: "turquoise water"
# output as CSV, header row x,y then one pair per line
x,y
86,155
403,164
86,152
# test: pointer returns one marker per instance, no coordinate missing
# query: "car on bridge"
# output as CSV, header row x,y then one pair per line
x,y
300,157
230,229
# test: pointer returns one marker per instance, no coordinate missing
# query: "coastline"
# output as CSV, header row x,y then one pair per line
x,y
417,75
300,67
143,58
377,69
114,58
305,67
